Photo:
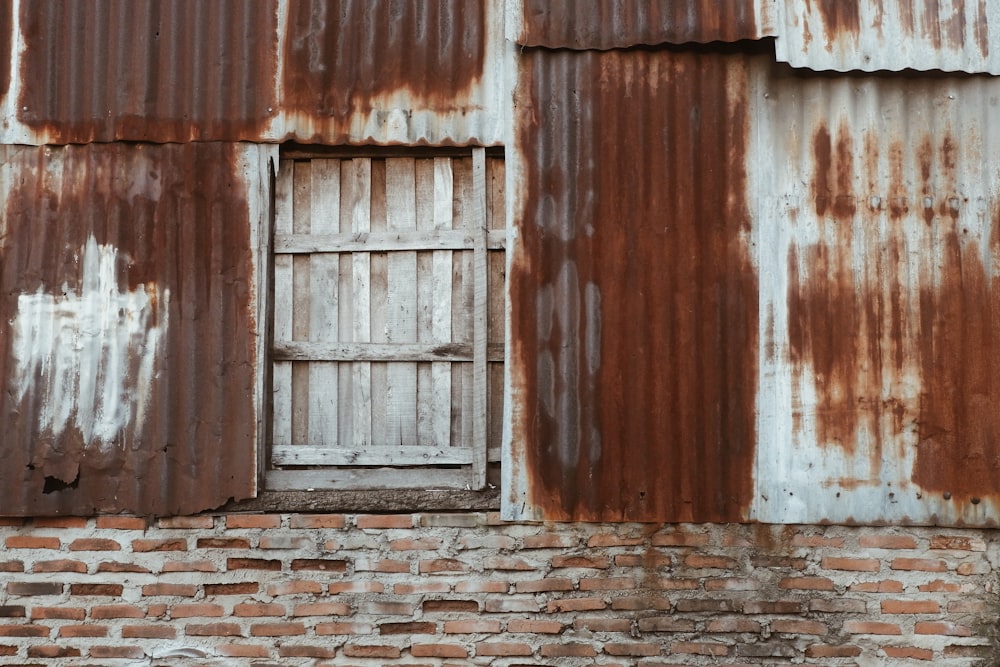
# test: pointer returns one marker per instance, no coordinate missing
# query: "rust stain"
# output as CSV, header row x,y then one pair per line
x,y
840,18
930,24
832,187
634,300
959,425
148,71
953,28
178,217
6,35
343,57
982,30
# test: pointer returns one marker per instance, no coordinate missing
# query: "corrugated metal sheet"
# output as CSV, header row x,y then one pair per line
x,y
333,72
633,296
129,327
880,227
843,35
602,25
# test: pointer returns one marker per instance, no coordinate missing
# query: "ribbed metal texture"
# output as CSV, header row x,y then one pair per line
x,y
843,35
633,297
879,232
332,72
599,24
127,315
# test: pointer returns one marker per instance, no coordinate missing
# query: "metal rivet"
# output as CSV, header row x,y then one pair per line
x,y
975,501
947,496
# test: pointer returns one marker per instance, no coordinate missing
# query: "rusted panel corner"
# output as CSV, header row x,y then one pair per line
x,y
129,353
633,297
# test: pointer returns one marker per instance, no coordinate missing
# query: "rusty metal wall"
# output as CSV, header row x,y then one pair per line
x,y
896,35
879,225
316,71
633,295
129,327
602,25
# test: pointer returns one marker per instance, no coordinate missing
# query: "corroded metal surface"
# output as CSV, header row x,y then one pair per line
x,y
342,72
599,24
633,298
128,327
881,230
843,35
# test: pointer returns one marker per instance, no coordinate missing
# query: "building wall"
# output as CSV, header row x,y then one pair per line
x,y
468,588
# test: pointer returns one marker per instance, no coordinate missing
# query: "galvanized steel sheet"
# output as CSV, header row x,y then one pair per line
x,y
128,318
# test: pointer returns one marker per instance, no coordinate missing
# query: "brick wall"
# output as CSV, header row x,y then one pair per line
x,y
466,588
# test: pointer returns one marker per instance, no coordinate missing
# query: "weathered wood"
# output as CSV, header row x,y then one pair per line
x,y
378,306
413,455
369,478
384,242
301,223
424,177
481,312
441,269
370,500
281,373
361,379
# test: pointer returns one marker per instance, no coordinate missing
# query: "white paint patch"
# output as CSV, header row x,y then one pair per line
x,y
88,354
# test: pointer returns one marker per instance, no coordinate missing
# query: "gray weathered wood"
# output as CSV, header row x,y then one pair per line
x,y
385,242
369,478
361,380
412,455
480,308
281,378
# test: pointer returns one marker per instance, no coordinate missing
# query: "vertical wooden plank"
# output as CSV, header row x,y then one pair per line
x,y
281,378
401,321
441,272
361,381
301,214
424,175
461,306
480,308
345,315
496,219
324,291
378,308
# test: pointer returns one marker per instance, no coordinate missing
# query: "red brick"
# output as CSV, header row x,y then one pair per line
x,y
910,607
667,624
338,628
420,544
443,565
12,566
222,543
24,631
120,523
148,632
65,613
319,565
502,606
647,560
89,630
508,563
772,607
568,650
964,651
852,564
387,608
726,625
262,564
887,542
939,586
295,588
701,562
322,609
118,567
94,544
253,521
476,627
871,628
807,583
778,562
384,521
33,588
942,628
213,630
195,610
110,652
370,651
680,540
528,625
503,649
957,543
59,522
244,651
816,541
641,602
317,521
478,586
466,606
428,587
486,542
386,565
544,585
305,651
607,584
824,651
550,541
671,583
919,564
12,611
612,540
699,648
732,584
199,522
356,587
31,542
909,652
189,566
144,546
48,651
705,605
60,566
838,606
105,590
117,611
884,586
408,628
602,624
277,629
173,590
575,604
241,588
8,650
798,627
438,651
631,649
585,562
